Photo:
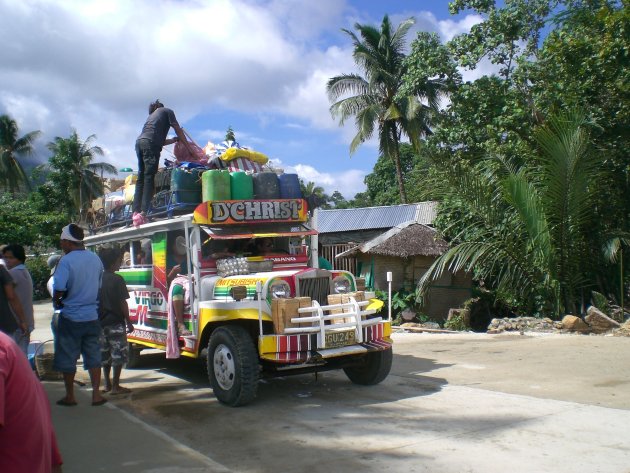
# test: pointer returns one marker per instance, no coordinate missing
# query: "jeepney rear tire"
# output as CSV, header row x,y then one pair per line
x,y
133,355
374,368
233,367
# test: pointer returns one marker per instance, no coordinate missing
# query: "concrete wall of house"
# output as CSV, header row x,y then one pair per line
x,y
449,291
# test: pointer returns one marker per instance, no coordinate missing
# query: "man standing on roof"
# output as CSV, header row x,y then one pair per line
x,y
148,148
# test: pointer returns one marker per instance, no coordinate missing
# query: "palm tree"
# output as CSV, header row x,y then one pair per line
x,y
72,164
12,175
528,227
315,195
377,100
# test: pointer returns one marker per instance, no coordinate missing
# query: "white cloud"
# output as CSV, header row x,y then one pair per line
x,y
94,66
348,183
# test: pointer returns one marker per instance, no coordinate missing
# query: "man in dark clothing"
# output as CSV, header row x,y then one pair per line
x,y
11,314
114,318
148,148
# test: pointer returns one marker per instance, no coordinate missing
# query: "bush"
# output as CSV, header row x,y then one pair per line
x,y
40,272
457,323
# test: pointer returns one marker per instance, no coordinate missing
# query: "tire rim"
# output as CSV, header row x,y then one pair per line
x,y
224,368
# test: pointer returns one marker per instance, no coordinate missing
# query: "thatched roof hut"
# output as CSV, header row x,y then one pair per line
x,y
405,240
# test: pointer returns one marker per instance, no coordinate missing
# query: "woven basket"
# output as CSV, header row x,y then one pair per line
x,y
44,357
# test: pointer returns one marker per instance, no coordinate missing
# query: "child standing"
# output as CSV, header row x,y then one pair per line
x,y
114,318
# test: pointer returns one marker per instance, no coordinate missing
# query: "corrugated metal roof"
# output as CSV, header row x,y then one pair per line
x,y
368,218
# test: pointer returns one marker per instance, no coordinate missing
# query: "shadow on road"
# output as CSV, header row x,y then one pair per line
x,y
409,378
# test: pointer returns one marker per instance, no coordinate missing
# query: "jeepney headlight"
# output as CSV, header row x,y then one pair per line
x,y
341,285
280,289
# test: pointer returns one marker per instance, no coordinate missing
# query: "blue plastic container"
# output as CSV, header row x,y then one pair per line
x,y
289,186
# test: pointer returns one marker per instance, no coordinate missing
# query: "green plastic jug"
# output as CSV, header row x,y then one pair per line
x,y
242,185
215,185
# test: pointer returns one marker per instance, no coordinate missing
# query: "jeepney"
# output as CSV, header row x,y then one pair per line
x,y
237,316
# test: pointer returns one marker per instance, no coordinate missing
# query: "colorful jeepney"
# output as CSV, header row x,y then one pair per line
x,y
236,315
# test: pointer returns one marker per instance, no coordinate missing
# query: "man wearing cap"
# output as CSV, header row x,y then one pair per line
x,y
148,148
76,284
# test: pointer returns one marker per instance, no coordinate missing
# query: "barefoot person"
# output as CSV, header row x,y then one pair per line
x,y
114,319
76,284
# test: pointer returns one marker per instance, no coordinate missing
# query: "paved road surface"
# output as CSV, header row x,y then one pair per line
x,y
453,403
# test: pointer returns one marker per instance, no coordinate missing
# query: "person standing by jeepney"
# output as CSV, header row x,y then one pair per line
x,y
12,319
76,285
114,319
14,256
176,270
148,148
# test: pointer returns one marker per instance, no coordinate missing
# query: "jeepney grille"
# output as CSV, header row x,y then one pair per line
x,y
315,288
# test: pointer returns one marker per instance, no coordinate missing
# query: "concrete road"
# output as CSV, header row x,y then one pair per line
x,y
453,403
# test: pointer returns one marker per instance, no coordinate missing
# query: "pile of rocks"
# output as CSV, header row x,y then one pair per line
x,y
522,324
595,322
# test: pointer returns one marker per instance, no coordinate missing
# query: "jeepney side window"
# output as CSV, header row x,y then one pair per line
x,y
136,253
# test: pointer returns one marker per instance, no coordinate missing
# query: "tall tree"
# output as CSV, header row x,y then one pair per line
x,y
12,146
376,100
314,195
74,174
529,223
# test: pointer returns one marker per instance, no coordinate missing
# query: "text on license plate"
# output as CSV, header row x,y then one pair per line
x,y
340,339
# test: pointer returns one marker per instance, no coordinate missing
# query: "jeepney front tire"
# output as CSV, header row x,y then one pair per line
x,y
233,368
374,368
133,355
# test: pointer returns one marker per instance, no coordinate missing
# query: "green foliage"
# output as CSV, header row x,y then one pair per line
x,y
456,323
530,221
40,272
585,61
376,100
601,302
73,179
23,221
381,182
12,175
508,32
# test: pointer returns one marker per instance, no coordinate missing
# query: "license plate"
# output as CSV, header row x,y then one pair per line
x,y
340,339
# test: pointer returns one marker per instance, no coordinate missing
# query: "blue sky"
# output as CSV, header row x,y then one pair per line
x,y
259,66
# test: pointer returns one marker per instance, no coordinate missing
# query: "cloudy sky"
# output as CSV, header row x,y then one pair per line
x,y
259,66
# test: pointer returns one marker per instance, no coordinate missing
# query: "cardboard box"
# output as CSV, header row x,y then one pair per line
x,y
344,299
283,310
360,284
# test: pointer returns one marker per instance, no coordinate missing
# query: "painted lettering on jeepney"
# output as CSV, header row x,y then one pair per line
x,y
243,211
239,282
141,314
152,299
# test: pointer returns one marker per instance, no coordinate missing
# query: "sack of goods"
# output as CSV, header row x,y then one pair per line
x,y
183,154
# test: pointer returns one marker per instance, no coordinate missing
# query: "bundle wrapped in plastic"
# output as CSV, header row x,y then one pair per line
x,y
232,266
182,153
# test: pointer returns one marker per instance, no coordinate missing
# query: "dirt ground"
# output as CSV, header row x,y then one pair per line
x,y
589,369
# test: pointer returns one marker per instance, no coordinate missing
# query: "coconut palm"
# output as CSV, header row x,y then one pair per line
x,y
376,100
12,174
314,194
72,168
530,229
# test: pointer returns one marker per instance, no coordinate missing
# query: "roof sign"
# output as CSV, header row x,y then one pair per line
x,y
239,212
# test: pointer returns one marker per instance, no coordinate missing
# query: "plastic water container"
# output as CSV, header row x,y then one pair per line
x,y
242,185
289,186
266,185
186,186
215,185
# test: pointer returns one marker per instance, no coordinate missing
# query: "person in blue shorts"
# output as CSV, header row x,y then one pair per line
x,y
76,285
